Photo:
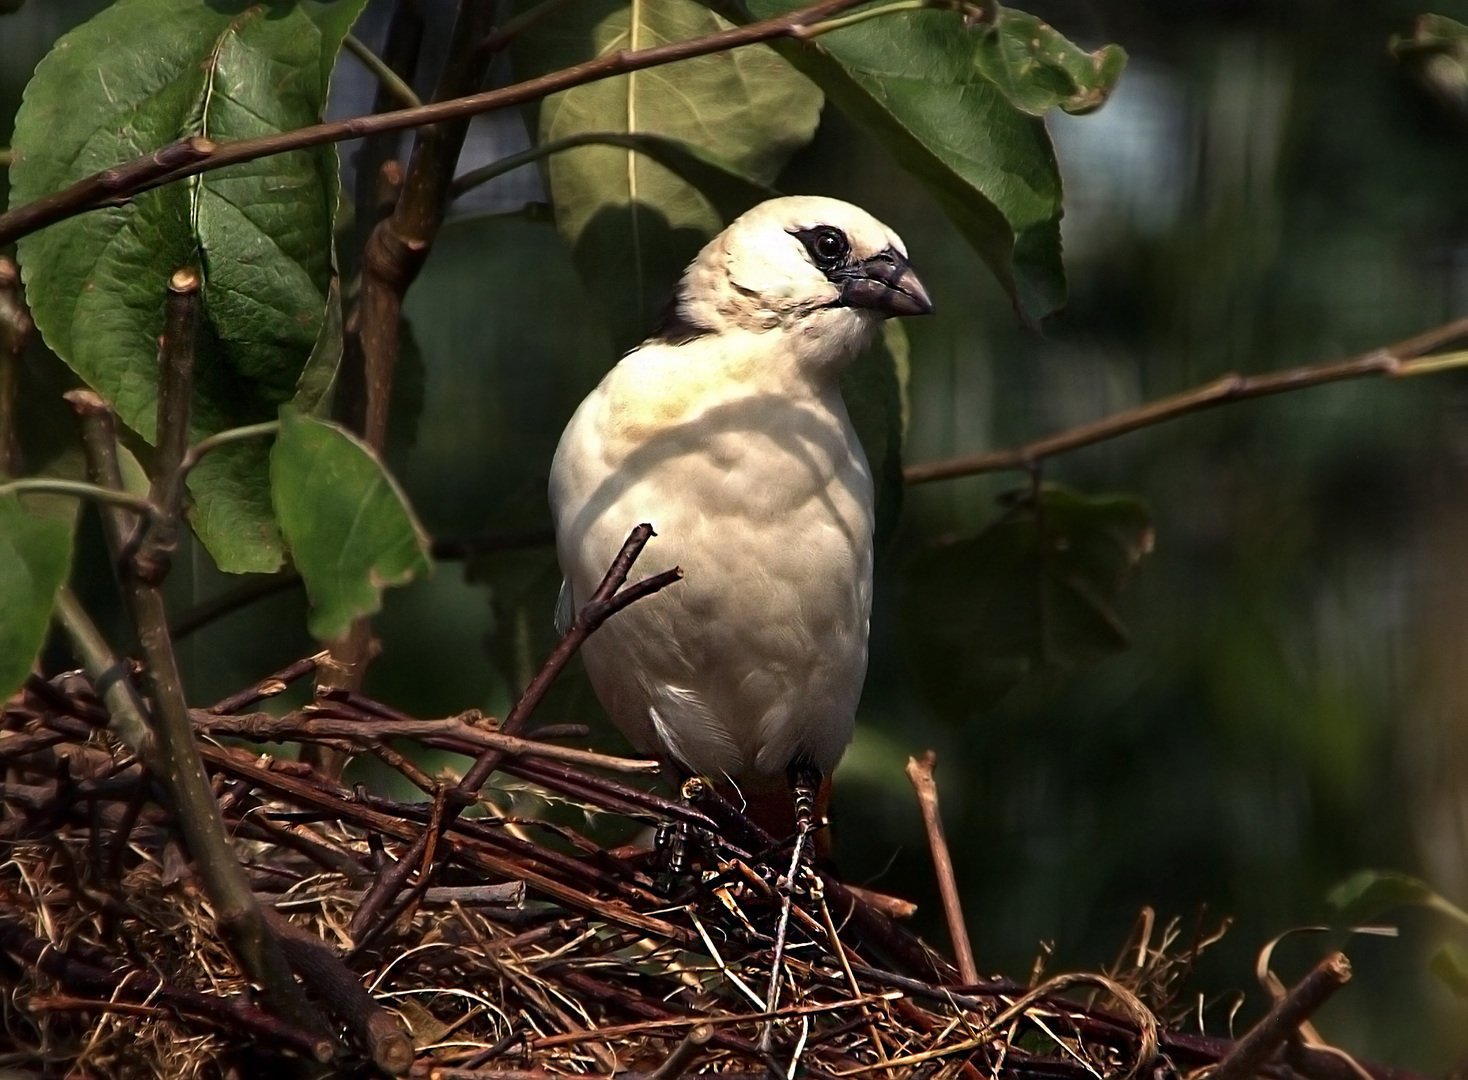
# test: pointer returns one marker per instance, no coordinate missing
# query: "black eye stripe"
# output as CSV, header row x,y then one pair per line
x,y
828,247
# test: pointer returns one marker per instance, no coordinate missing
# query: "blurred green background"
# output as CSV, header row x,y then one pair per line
x,y
1268,188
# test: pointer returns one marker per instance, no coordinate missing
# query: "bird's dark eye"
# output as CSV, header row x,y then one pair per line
x,y
828,246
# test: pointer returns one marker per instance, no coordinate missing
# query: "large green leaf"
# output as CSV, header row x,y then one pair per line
x,y
136,77
350,529
915,81
1036,590
633,222
35,558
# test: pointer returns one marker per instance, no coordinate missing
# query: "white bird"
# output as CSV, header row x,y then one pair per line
x,y
726,431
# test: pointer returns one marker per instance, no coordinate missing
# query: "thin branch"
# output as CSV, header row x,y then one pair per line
x,y
1284,1019
920,772
209,443
386,77
159,539
610,597
48,485
231,600
195,155
109,675
179,766
1394,361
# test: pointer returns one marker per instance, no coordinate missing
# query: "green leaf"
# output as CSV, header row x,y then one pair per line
x,y
1435,53
350,530
1039,69
1450,964
621,207
35,558
1037,590
1368,894
913,80
138,76
875,390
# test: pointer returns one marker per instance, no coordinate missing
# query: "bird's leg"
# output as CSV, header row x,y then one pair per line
x,y
805,783
675,841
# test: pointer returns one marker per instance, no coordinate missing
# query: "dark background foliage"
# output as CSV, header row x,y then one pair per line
x,y
1267,188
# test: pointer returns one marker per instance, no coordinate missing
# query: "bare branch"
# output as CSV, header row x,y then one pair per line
x,y
1394,361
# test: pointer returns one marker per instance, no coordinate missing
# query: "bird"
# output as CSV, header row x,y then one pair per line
x,y
726,431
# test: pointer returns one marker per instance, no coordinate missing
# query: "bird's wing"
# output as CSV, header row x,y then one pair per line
x,y
565,608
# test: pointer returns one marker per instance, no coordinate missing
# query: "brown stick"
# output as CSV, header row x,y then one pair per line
x,y
178,764
1282,1021
84,977
920,772
684,1054
610,597
195,155
383,1034
1394,361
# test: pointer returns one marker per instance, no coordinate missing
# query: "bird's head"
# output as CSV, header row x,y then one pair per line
x,y
819,269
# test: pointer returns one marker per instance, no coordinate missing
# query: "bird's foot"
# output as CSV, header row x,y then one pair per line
x,y
680,846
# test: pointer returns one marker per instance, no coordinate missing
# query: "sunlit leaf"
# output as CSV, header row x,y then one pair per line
x,y
634,222
1036,590
138,76
914,81
1039,69
350,530
35,558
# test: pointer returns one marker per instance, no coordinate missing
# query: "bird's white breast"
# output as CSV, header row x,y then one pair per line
x,y
757,487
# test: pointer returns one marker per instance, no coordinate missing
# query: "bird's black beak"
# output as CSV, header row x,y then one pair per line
x,y
886,284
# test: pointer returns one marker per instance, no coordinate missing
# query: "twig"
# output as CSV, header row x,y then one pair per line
x,y
232,1014
389,80
452,733
270,686
920,772
610,597
386,1038
1284,1019
684,1054
231,600
154,547
179,767
196,154
1394,361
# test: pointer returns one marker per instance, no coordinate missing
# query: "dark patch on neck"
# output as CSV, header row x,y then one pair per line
x,y
675,327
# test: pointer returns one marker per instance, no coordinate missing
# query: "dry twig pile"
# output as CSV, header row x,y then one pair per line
x,y
530,949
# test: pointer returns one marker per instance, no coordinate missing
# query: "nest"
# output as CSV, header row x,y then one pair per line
x,y
529,948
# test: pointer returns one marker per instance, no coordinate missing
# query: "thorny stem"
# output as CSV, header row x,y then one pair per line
x,y
1394,361
195,155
